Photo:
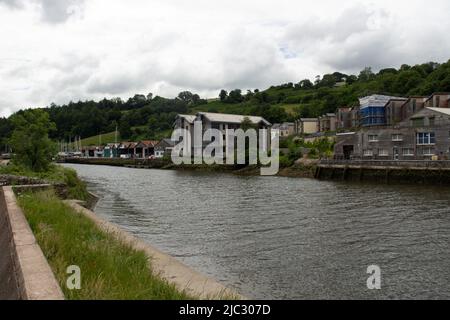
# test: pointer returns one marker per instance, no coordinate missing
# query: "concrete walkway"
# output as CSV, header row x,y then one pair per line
x,y
167,267
29,274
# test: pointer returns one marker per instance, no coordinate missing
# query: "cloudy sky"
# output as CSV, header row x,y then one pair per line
x,y
63,50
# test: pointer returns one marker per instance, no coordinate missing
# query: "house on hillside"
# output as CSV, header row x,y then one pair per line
x,y
327,122
343,118
307,126
286,129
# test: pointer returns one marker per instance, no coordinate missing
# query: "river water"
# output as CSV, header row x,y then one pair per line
x,y
285,238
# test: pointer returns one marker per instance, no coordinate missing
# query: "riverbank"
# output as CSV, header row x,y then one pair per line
x,y
110,269
410,172
300,169
64,180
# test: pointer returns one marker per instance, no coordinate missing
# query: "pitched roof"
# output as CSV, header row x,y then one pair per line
x,y
232,118
438,94
440,110
309,119
167,141
148,143
188,118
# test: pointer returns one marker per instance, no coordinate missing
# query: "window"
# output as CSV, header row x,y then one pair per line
x,y
424,138
397,137
383,153
373,138
428,151
408,152
368,153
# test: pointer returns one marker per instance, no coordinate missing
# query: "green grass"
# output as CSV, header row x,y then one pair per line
x,y
110,137
109,268
106,138
56,173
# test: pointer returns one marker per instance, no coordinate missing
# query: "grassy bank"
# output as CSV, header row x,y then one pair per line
x,y
57,174
109,269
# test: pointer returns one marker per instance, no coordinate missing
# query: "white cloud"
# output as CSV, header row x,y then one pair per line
x,y
62,50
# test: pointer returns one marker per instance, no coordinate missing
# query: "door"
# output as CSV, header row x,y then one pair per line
x,y
396,154
348,152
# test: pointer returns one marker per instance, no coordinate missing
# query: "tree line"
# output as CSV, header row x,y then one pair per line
x,y
144,116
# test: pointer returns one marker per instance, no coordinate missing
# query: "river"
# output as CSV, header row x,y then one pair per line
x,y
286,238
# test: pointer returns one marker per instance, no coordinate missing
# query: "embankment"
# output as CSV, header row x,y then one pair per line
x,y
418,172
24,271
116,162
298,170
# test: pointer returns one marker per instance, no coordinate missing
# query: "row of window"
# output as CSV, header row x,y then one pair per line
x,y
406,152
395,137
422,138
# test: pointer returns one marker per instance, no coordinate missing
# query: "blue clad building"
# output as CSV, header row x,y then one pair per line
x,y
373,111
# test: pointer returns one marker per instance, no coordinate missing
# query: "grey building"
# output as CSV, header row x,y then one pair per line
x,y
343,118
423,136
222,122
327,122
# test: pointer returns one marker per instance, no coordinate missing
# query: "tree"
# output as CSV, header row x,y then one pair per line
x,y
125,128
196,99
149,96
223,95
185,96
235,96
31,145
247,124
306,84
366,74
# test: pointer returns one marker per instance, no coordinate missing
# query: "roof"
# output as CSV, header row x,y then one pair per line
x,y
397,99
440,110
148,143
128,144
309,119
188,118
170,142
345,134
438,94
232,118
376,100
113,145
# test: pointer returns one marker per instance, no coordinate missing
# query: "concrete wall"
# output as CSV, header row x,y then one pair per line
x,y
24,271
167,267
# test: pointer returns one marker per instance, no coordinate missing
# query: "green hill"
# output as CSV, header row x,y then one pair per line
x,y
149,117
